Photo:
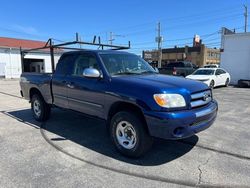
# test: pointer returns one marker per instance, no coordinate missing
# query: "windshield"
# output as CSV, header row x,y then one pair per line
x,y
204,72
119,64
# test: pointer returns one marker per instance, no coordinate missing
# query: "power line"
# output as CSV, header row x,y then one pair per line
x,y
184,18
217,11
193,24
212,21
179,39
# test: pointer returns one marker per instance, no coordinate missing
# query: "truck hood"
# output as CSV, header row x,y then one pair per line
x,y
160,82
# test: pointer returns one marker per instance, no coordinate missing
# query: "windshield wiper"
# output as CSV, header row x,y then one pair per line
x,y
125,73
135,73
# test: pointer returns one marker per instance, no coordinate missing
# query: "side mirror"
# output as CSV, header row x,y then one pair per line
x,y
91,73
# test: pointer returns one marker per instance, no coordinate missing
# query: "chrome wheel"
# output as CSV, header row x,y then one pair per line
x,y
126,135
37,108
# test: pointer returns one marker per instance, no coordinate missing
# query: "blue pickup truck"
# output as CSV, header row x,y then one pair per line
x,y
121,88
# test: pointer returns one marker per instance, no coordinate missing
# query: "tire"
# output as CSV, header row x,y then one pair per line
x,y
211,85
227,82
40,109
129,135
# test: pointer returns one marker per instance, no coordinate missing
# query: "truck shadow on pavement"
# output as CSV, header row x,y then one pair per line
x,y
91,134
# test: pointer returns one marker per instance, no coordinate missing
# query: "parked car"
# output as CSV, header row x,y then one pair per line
x,y
121,88
181,68
211,76
211,66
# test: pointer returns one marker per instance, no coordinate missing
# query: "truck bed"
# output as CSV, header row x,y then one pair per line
x,y
40,81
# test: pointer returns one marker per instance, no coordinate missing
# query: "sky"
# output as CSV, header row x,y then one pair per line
x,y
128,20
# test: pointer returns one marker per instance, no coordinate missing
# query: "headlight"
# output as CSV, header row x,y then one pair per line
x,y
170,100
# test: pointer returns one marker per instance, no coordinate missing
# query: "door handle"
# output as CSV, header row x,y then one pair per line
x,y
70,85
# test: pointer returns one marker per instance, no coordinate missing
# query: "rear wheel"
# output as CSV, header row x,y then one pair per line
x,y
129,135
227,82
40,109
211,85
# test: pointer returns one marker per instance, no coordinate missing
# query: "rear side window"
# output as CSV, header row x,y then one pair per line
x,y
188,64
63,65
218,72
222,71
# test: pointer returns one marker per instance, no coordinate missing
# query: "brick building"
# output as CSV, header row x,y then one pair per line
x,y
199,55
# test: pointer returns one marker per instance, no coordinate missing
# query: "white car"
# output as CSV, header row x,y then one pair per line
x,y
211,76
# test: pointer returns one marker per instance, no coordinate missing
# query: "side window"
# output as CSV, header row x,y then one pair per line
x,y
63,65
217,72
189,64
222,71
181,64
82,62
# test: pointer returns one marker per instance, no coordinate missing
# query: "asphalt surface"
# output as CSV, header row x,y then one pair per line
x,y
71,150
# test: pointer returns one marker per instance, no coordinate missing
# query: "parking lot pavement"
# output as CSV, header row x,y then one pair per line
x,y
71,150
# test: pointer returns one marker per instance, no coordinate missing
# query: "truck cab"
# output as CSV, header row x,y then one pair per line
x,y
180,68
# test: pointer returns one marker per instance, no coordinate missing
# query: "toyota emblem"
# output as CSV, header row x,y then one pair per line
x,y
206,96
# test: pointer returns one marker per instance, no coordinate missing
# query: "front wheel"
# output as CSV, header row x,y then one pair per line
x,y
129,135
211,85
40,109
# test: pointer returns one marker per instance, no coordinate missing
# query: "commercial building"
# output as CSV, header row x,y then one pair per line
x,y
10,57
199,54
235,55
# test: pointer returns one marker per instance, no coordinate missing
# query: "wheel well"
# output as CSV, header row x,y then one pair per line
x,y
124,106
34,91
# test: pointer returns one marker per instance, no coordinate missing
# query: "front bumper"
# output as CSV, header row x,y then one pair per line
x,y
181,124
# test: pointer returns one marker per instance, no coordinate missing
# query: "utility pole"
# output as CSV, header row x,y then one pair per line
x,y
159,41
111,37
246,17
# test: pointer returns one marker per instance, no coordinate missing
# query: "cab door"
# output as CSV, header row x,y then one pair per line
x,y
86,95
60,80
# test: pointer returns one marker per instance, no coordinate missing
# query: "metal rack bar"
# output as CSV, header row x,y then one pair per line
x,y
51,48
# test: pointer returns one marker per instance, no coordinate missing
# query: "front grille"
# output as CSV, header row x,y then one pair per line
x,y
204,118
201,98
